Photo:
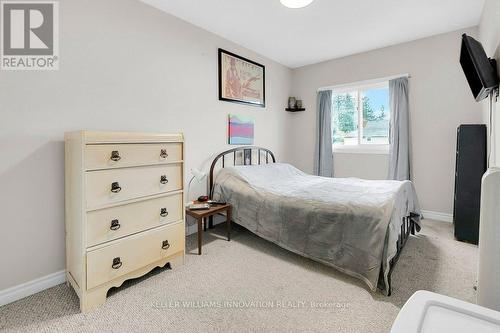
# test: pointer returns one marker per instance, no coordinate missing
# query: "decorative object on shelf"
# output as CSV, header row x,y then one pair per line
x,y
198,175
294,105
241,80
296,3
240,130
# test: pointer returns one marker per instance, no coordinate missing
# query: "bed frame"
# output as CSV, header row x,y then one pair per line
x,y
245,156
240,156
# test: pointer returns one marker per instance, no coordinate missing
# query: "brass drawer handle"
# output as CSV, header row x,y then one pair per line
x,y
115,225
163,153
117,263
165,245
163,212
115,156
115,187
163,179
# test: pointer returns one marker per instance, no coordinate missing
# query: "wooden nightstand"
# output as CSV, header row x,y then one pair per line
x,y
202,216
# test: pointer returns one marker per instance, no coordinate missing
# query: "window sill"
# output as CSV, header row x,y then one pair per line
x,y
362,149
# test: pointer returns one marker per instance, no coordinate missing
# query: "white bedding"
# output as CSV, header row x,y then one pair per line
x,y
348,223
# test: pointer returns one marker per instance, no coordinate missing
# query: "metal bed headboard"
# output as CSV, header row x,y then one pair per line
x,y
246,159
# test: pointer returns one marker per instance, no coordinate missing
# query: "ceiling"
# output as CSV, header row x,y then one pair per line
x,y
325,29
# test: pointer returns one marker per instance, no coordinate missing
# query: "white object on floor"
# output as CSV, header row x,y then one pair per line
x,y
489,241
428,312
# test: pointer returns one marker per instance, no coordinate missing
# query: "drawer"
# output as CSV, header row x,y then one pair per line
x,y
124,155
134,252
109,186
111,223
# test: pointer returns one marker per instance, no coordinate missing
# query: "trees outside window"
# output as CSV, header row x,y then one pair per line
x,y
361,116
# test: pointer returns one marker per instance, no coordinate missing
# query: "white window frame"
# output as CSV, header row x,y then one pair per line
x,y
360,148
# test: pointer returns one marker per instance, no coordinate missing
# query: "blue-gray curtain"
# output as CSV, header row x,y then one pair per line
x,y
399,137
323,155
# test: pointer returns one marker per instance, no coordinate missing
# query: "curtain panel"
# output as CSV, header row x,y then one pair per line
x,y
399,138
323,154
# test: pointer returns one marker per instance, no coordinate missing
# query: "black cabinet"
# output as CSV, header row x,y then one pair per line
x,y
470,167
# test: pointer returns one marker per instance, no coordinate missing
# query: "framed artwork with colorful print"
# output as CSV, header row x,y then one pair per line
x,y
241,80
240,130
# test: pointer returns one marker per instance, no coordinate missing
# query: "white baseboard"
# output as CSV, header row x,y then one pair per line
x,y
31,287
34,286
191,229
437,216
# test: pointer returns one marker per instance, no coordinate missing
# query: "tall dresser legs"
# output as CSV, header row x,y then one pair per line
x,y
93,299
176,261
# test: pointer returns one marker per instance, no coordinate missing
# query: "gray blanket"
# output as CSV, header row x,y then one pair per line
x,y
348,223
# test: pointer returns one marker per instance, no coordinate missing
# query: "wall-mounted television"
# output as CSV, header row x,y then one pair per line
x,y
480,71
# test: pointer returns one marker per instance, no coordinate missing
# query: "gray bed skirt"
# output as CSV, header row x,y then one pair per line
x,y
346,223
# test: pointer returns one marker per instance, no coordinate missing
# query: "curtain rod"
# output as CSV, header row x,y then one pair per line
x,y
365,82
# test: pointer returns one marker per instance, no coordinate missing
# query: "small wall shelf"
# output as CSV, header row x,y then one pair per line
x,y
295,109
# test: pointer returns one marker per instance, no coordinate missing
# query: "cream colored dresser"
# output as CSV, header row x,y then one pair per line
x,y
124,208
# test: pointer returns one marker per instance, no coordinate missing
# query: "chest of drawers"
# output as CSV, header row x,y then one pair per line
x,y
124,208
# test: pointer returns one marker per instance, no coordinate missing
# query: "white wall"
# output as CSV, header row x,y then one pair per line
x,y
124,66
489,33
440,100
360,165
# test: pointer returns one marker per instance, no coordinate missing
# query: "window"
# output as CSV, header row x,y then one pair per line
x,y
360,118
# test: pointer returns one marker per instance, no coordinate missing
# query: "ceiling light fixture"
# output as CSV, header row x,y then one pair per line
x,y
295,3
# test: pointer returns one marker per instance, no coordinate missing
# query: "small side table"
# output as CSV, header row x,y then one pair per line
x,y
202,215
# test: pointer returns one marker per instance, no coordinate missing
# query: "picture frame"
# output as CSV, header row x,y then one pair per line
x,y
247,156
240,130
241,80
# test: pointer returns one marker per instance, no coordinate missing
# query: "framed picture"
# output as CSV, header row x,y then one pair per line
x,y
241,80
240,130
247,156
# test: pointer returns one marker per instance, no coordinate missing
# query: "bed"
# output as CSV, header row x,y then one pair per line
x,y
357,226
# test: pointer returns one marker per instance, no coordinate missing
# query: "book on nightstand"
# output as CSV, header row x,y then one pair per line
x,y
199,206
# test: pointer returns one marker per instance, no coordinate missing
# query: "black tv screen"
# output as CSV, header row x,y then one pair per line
x,y
480,71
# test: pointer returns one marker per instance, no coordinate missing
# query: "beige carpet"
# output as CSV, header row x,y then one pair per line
x,y
249,284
